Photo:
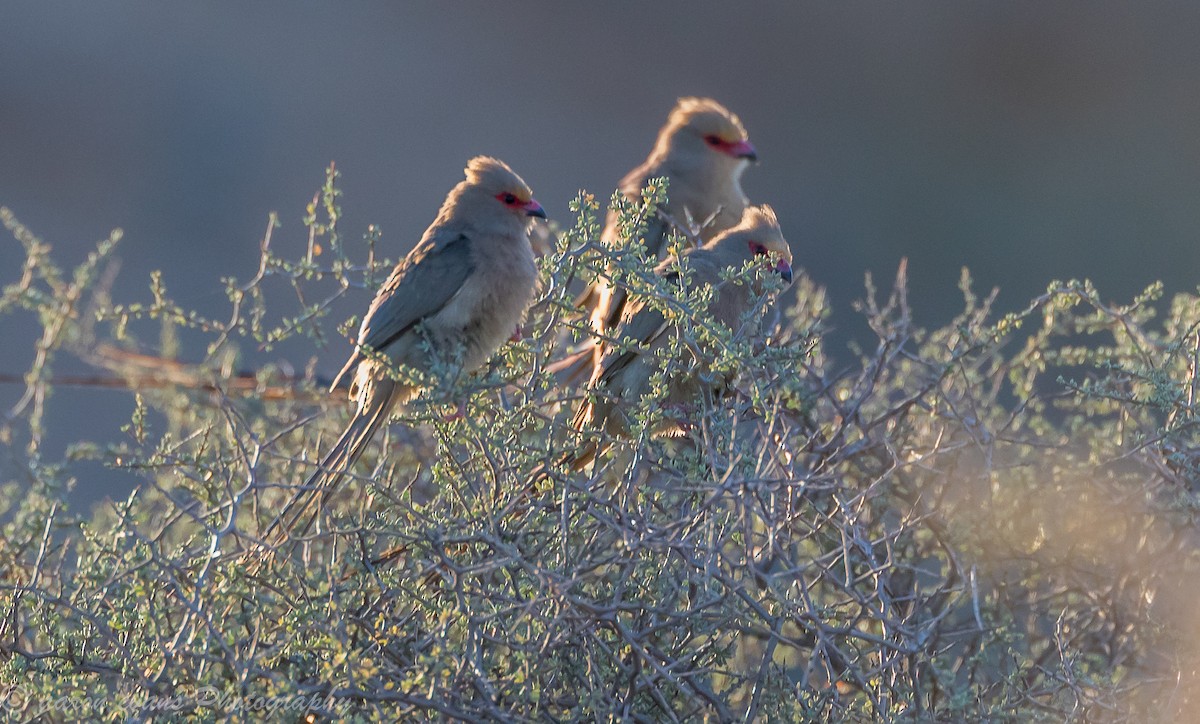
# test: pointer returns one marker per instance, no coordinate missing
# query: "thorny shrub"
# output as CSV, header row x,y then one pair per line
x,y
991,520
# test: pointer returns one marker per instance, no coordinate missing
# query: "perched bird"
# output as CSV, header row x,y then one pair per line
x,y
624,375
457,296
702,151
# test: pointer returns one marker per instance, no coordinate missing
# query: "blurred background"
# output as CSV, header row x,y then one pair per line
x,y
1027,141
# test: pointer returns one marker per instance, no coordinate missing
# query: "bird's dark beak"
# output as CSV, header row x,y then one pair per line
x,y
533,208
743,149
784,270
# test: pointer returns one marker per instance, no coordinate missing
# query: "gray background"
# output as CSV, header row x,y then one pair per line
x,y
1026,140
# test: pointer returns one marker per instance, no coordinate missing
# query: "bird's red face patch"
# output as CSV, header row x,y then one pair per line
x,y
765,256
526,206
737,149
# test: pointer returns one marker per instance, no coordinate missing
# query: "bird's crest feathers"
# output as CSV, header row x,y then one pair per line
x,y
706,117
760,224
760,216
495,177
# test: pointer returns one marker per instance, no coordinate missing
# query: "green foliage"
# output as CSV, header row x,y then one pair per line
x,y
994,520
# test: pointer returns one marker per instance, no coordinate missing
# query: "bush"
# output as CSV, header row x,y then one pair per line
x,y
992,520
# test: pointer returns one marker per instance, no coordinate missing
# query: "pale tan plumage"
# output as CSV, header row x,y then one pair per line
x,y
623,376
461,291
702,150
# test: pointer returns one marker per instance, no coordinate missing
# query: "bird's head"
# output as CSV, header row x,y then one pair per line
x,y
495,183
757,237
705,128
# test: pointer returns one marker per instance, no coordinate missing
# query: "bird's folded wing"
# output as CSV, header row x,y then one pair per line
x,y
657,230
643,325
420,286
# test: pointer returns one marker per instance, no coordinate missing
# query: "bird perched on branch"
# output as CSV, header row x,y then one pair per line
x,y
625,373
457,296
702,151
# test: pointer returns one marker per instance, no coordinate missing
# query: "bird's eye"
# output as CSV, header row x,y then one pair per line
x,y
757,249
713,140
510,199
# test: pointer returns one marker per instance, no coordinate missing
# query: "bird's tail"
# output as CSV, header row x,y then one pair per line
x,y
304,507
592,414
584,457
576,367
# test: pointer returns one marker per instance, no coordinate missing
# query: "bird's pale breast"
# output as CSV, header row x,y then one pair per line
x,y
488,307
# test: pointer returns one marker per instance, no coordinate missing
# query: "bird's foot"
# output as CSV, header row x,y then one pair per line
x,y
517,334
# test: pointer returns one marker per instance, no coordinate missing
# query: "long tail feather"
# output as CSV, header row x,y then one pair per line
x,y
592,414
576,367
584,457
307,503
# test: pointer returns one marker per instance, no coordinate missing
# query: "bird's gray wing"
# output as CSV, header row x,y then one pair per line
x,y
642,324
420,286
657,230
